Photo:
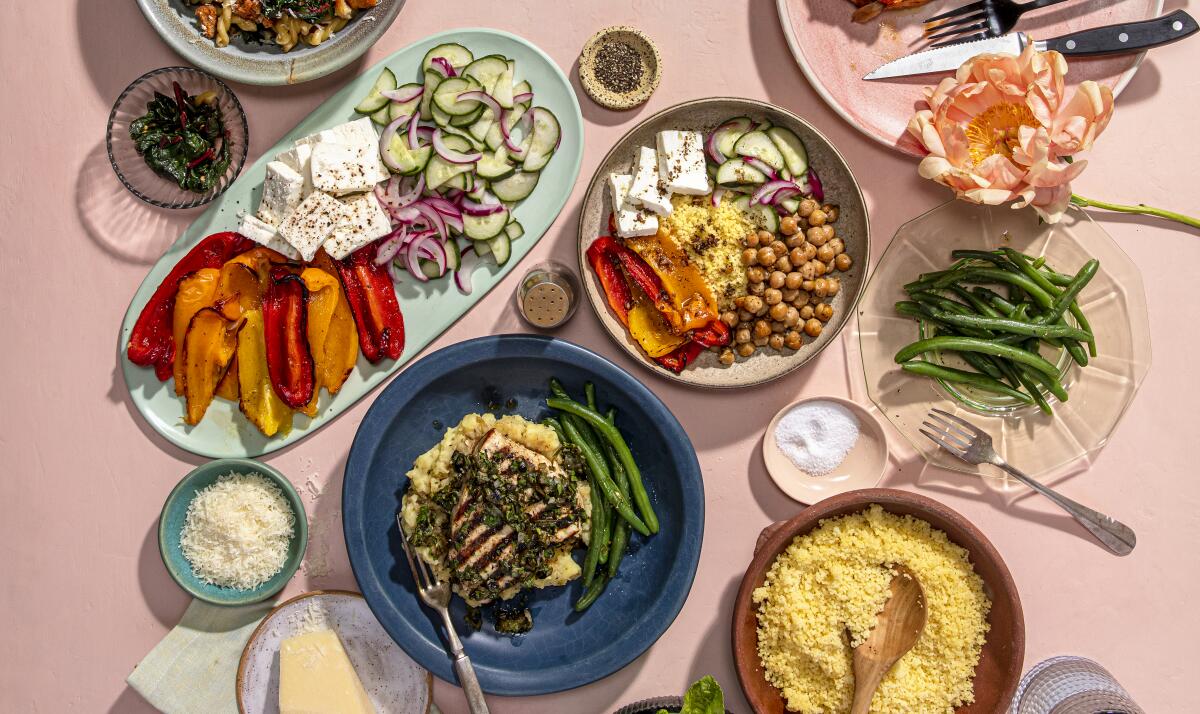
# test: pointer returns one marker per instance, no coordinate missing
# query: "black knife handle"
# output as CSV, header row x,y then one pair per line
x,y
1126,37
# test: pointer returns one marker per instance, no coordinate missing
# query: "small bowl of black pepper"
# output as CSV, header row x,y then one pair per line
x,y
619,67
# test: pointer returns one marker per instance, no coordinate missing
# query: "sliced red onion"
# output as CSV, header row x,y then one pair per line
x,y
389,247
814,185
403,95
395,271
443,67
472,208
524,124
466,267
717,195
487,99
385,142
769,191
522,98
435,219
407,214
710,147
430,246
761,166
454,157
410,193
416,132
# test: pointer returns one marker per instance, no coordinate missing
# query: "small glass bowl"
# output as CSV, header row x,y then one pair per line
x,y
133,171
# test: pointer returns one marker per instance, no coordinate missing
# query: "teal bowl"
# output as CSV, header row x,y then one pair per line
x,y
174,513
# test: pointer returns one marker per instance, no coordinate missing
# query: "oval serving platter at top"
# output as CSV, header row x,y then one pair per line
x,y
264,62
841,188
565,649
429,308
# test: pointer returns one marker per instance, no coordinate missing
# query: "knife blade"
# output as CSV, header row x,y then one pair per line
x,y
1110,39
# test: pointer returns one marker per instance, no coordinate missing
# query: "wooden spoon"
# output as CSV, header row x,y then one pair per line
x,y
896,630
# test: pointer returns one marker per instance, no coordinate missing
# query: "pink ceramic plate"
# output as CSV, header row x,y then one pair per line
x,y
835,53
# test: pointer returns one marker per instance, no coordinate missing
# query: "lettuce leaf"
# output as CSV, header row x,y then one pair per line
x,y
704,697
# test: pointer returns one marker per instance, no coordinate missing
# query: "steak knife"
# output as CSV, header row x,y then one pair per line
x,y
1108,40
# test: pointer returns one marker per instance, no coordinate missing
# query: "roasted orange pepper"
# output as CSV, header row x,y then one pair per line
x,y
687,302
208,348
256,397
238,289
285,319
332,336
196,291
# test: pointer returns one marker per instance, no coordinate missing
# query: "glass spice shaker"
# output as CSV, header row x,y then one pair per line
x,y
548,295
1071,685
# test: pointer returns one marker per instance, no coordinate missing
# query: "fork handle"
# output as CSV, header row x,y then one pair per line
x,y
470,684
1115,535
1035,4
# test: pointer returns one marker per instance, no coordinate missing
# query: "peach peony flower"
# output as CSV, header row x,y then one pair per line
x,y
1002,129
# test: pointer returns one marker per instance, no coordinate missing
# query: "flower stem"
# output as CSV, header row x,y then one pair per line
x,y
1139,208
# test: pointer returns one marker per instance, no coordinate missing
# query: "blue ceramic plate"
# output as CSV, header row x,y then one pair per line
x,y
174,513
565,649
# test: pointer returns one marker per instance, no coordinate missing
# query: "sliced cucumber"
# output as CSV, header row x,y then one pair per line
x,y
466,120
485,227
410,161
374,101
495,138
481,247
461,181
477,193
432,80
446,96
790,205
454,53
400,109
495,166
486,70
453,260
523,87
457,143
501,247
758,145
516,187
728,133
737,172
381,116
762,216
544,140
471,142
439,173
795,156
503,91
514,230
479,130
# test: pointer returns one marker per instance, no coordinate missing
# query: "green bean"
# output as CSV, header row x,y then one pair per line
x,y
585,431
929,302
636,488
962,376
1039,262
976,302
589,391
1046,284
1015,325
981,362
620,531
1052,385
595,463
592,592
556,425
1031,386
994,257
972,344
599,527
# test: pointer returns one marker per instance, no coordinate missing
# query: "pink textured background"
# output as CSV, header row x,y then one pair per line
x,y
84,595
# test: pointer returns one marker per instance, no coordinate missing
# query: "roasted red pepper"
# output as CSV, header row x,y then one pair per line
x,y
681,357
714,334
372,299
604,261
152,343
285,321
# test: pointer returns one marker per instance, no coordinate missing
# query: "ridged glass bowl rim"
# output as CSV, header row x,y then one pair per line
x,y
240,159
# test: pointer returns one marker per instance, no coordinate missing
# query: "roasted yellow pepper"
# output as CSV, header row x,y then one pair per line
x,y
256,397
651,331
238,290
208,347
196,291
332,335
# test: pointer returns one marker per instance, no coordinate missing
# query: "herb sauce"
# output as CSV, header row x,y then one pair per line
x,y
183,139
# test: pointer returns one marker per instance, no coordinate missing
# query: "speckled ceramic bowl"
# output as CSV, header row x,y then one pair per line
x,y
174,514
840,186
266,63
651,63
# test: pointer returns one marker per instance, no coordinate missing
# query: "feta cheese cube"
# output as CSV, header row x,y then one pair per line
x,y
369,222
283,190
631,222
681,162
648,190
313,222
265,235
297,158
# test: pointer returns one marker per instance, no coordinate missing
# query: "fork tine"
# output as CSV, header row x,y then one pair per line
x,y
959,40
959,441
957,452
412,566
943,424
972,7
955,31
954,22
974,430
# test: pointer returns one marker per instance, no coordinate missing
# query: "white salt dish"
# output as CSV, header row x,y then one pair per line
x,y
862,468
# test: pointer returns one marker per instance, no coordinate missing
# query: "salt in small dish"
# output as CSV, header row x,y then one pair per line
x,y
862,467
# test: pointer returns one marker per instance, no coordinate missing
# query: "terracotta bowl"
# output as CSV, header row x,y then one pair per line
x,y
1000,663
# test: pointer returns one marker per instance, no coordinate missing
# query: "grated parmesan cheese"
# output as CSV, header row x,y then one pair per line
x,y
237,531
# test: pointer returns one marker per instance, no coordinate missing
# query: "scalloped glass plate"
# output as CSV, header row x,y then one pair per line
x,y
1098,395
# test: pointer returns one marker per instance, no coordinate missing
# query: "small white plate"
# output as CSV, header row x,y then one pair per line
x,y
862,468
395,683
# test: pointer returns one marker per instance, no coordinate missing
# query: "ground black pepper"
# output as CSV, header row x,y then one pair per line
x,y
619,67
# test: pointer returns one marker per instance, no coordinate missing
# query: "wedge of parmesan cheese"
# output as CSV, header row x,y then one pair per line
x,y
317,677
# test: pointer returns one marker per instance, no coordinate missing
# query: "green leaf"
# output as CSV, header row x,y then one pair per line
x,y
704,697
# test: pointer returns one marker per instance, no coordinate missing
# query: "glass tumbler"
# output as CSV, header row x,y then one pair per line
x,y
1071,685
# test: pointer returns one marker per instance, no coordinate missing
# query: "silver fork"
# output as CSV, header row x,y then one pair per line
x,y
436,594
973,445
979,20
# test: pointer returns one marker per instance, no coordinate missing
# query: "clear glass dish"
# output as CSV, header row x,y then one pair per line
x,y
133,171
1098,395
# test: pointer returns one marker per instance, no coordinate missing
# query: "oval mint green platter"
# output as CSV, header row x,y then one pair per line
x,y
429,308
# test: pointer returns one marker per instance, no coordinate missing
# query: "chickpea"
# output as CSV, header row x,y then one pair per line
x,y
779,247
752,303
793,280
823,312
796,256
816,236
775,342
751,240
843,261
831,212
749,256
808,271
826,253
756,288
778,311
790,295
787,225
772,296
802,298
760,341
765,237
727,356
794,241
762,328
791,317
745,349
744,316
777,279
766,256
730,318
808,285
793,340
834,285
820,287
819,268
829,232
817,218
742,335
778,327
838,245
756,274
806,312
807,206
812,328
762,310
784,265
829,267
810,251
